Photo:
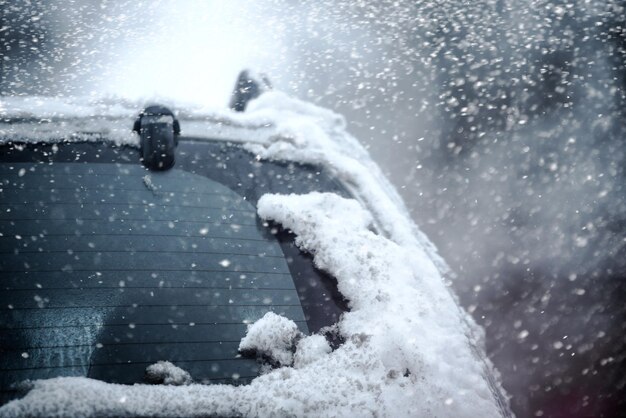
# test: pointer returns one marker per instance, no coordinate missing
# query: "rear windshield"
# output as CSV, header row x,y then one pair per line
x,y
107,268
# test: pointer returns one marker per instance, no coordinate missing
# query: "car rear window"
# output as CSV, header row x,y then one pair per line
x,y
107,268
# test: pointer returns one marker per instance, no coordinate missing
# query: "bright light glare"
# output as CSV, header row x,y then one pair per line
x,y
193,51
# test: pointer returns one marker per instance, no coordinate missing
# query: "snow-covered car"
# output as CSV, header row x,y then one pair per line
x,y
272,271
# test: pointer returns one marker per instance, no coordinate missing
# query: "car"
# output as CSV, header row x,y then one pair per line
x,y
250,263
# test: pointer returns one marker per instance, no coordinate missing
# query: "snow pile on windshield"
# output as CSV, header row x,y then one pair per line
x,y
402,318
310,349
276,338
273,336
164,372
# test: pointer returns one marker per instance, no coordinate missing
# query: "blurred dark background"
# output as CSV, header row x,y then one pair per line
x,y
501,122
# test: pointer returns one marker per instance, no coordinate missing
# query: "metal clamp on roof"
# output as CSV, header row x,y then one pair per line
x,y
158,131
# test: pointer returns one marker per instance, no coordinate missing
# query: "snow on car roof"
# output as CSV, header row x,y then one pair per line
x,y
36,119
409,349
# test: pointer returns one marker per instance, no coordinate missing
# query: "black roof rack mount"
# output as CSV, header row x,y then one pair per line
x,y
158,131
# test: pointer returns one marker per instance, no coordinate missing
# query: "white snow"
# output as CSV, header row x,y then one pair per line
x,y
304,132
40,119
409,349
273,336
309,350
399,304
168,374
